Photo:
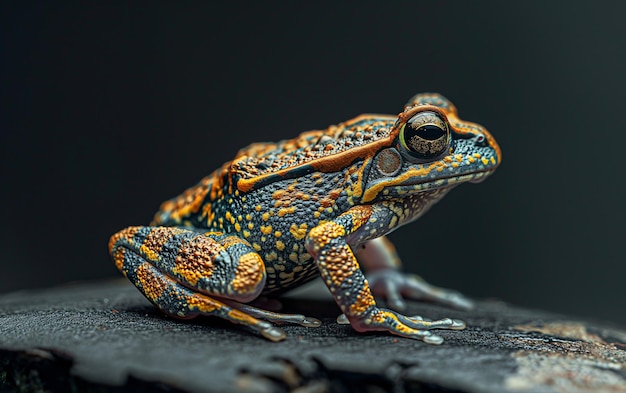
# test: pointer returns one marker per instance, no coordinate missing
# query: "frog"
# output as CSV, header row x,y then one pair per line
x,y
319,205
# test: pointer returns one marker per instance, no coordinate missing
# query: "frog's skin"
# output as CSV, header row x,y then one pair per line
x,y
282,213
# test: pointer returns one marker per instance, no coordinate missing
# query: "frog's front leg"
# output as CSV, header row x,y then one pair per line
x,y
382,264
329,243
186,273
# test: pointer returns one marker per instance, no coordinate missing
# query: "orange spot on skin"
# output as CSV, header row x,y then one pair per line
x,y
302,196
266,229
298,232
334,194
327,202
148,253
153,286
250,273
286,210
118,258
126,234
278,194
323,234
339,263
360,215
195,259
156,239
364,300
203,304
242,317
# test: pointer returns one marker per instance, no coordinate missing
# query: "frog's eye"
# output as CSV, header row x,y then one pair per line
x,y
426,135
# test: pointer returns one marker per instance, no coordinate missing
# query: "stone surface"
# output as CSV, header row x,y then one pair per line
x,y
105,336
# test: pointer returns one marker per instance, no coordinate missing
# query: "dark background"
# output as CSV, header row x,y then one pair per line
x,y
108,109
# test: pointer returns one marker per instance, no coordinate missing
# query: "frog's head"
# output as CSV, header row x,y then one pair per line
x,y
429,147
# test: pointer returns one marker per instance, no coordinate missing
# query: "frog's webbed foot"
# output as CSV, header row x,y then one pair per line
x,y
401,325
395,286
398,324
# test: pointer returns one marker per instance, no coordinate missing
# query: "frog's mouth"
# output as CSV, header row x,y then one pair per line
x,y
483,175
474,177
404,186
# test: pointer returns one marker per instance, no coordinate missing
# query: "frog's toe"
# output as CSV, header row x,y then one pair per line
x,y
273,333
408,327
387,284
395,286
298,319
343,320
458,301
433,339
418,322
417,288
275,317
457,324
311,322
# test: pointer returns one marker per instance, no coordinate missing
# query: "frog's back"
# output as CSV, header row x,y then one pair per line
x,y
260,164
326,150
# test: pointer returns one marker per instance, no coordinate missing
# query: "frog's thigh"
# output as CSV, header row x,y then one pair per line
x,y
211,263
159,259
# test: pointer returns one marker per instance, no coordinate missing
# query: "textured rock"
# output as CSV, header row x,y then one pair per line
x,y
107,336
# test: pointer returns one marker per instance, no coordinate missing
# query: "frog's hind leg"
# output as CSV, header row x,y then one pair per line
x,y
179,301
186,274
